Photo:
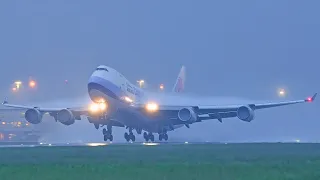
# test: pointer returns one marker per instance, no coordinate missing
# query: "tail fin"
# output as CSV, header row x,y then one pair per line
x,y
179,85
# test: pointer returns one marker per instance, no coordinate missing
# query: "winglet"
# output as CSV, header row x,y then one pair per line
x,y
311,99
179,85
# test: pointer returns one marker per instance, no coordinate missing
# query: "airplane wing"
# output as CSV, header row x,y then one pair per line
x,y
191,114
210,109
244,112
41,109
38,112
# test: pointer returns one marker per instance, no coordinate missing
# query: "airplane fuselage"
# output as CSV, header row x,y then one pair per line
x,y
112,87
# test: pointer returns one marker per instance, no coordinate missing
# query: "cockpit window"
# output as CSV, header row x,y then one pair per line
x,y
102,69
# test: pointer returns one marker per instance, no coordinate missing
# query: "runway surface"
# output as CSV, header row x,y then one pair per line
x,y
94,144
102,144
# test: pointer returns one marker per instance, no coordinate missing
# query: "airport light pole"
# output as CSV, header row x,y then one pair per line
x,y
141,83
17,84
161,87
282,92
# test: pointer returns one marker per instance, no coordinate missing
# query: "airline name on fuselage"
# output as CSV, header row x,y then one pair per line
x,y
133,90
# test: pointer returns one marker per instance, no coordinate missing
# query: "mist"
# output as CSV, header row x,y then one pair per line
x,y
230,49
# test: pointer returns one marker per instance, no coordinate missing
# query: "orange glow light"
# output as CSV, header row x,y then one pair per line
x,y
98,107
152,107
161,86
32,84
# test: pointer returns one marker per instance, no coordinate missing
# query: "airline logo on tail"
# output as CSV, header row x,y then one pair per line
x,y
179,85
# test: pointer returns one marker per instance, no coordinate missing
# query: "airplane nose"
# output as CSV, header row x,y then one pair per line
x,y
99,87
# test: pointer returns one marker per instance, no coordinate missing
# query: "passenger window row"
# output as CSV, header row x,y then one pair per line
x,y
102,69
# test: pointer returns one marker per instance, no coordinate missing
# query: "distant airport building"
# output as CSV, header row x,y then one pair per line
x,y
17,131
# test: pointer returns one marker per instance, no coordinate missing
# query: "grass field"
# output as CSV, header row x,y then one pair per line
x,y
185,162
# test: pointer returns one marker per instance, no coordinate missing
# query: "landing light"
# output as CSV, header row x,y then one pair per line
x,y
128,99
309,99
152,107
96,107
101,100
102,106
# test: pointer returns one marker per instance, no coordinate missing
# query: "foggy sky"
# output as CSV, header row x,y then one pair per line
x,y
240,49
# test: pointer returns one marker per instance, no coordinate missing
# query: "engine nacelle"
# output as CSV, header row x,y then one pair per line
x,y
245,113
33,116
66,117
187,115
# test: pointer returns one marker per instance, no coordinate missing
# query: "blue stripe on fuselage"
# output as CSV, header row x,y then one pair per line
x,y
105,86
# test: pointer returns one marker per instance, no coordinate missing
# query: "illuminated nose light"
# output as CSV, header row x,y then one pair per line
x,y
103,106
101,100
97,107
152,107
94,107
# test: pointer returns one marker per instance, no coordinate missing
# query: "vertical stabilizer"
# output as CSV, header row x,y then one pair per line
x,y
179,85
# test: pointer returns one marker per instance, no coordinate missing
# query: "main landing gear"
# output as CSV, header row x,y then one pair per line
x,y
163,136
130,136
107,133
148,136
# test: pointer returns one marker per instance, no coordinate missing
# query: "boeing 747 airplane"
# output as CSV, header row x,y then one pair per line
x,y
119,103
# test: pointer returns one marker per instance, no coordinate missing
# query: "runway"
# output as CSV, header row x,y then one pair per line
x,y
94,144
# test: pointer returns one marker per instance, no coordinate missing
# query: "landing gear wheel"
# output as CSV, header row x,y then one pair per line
x,y
107,135
139,131
126,136
132,137
151,137
129,137
160,137
96,126
145,136
104,131
165,137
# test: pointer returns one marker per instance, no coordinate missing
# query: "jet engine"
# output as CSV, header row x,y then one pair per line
x,y
245,113
33,116
187,115
66,117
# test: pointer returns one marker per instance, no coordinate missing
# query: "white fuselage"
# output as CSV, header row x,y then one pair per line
x,y
111,86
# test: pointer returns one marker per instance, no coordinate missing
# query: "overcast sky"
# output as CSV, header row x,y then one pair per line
x,y
244,49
